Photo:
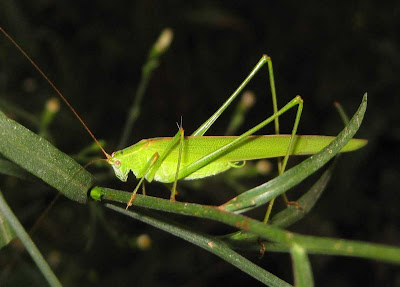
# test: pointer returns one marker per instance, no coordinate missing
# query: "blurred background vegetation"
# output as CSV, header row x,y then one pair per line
x,y
94,50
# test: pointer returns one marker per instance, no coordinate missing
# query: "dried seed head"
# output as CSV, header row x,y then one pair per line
x,y
264,166
164,40
53,105
248,99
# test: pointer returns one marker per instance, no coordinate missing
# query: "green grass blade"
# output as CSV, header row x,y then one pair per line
x,y
28,243
206,242
6,232
286,217
301,267
269,190
41,158
316,245
292,214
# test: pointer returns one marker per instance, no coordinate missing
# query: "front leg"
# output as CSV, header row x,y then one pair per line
x,y
149,165
155,162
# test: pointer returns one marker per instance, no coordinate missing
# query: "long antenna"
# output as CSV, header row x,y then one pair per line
x,y
56,90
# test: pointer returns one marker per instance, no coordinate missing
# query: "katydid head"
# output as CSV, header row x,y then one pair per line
x,y
120,168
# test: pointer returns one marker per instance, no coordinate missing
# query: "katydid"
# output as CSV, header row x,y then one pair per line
x,y
170,159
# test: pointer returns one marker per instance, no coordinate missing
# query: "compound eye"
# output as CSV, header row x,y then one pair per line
x,y
117,162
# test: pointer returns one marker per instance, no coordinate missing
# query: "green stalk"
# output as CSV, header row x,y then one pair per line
x,y
41,263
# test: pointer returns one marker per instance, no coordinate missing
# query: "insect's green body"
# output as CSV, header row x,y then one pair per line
x,y
136,157
198,156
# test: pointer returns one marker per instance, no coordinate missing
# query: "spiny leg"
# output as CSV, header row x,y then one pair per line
x,y
204,127
179,136
191,168
154,164
281,164
149,165
182,136
164,154
207,124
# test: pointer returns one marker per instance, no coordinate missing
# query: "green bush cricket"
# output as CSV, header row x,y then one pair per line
x,y
197,156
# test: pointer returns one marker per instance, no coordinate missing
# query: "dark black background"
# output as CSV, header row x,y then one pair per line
x,y
325,51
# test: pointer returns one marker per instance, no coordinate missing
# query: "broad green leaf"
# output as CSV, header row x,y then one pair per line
x,y
10,168
42,159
